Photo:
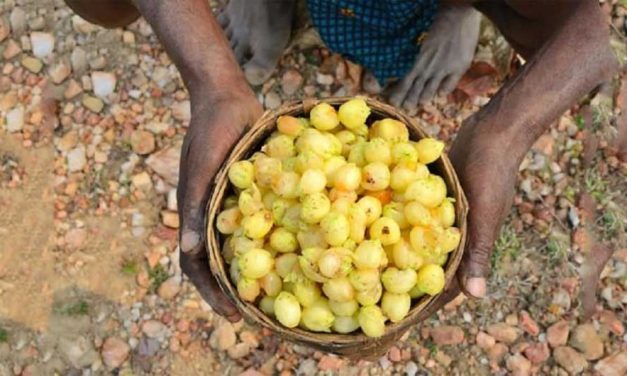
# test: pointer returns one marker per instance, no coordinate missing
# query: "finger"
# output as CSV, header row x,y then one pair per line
x,y
411,100
429,91
228,32
241,50
449,83
196,267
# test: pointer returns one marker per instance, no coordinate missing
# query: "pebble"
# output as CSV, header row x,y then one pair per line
x,y
153,329
503,332
252,372
324,79
157,127
103,83
59,73
11,50
142,181
170,219
171,201
78,351
17,20
4,30
15,119
557,334
239,350
569,359
528,324
148,346
447,335
411,368
291,81
272,100
394,354
223,337
518,365
114,352
182,111
93,104
497,352
76,159
78,59
170,288
142,142
537,352
32,64
307,367
166,163
128,37
80,25
42,44
75,238
485,341
586,340
613,365
73,89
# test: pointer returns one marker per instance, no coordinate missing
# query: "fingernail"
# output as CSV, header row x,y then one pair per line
x,y
189,240
475,286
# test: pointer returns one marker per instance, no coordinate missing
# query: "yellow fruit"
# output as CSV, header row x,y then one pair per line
x,y
283,241
311,236
318,317
357,154
446,213
336,228
271,283
308,160
249,201
248,289
341,205
357,219
338,289
285,184
430,279
256,263
371,207
390,130
346,138
285,264
228,220
429,150
347,308
417,214
287,310
404,152
230,202
371,296
385,230
266,169
280,146
401,177
345,324
378,150
395,306
307,292
330,168
449,239
335,262
347,177
354,113
371,321
369,255
430,192
324,117
395,211
404,256
375,176
422,238
241,174
364,279
289,125
398,281
257,225
314,207
312,181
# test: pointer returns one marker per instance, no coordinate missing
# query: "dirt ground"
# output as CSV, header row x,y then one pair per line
x,y
91,122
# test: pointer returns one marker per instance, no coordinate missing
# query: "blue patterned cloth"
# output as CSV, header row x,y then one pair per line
x,y
382,35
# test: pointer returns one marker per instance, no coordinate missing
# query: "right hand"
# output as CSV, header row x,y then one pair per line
x,y
216,125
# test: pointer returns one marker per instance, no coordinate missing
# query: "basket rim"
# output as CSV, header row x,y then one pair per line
x,y
331,341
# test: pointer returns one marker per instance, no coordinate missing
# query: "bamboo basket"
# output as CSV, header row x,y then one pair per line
x,y
355,345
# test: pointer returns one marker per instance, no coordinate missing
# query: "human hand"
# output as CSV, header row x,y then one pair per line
x,y
215,127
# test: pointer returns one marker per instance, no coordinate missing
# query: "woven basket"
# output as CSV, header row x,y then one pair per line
x,y
355,345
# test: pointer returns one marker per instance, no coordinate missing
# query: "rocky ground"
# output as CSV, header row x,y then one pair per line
x,y
90,132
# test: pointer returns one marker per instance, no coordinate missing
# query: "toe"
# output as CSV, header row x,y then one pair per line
x,y
223,19
228,32
414,92
430,88
371,84
449,83
257,72
241,51
399,91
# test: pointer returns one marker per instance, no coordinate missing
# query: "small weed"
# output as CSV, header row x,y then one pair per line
x,y
580,121
78,308
433,349
611,223
555,250
508,244
157,275
130,267
595,185
4,335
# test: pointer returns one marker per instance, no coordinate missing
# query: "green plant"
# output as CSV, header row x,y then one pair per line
x,y
580,121
77,308
595,185
4,335
507,244
611,223
157,275
555,250
130,267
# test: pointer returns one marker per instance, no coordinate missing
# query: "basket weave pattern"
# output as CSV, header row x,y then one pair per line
x,y
352,345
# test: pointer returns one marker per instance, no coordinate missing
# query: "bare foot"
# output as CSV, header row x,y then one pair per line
x,y
444,57
258,31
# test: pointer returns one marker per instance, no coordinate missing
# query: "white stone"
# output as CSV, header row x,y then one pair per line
x,y
15,119
172,204
103,83
182,111
41,43
76,159
18,21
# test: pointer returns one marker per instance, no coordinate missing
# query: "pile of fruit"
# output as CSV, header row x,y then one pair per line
x,y
337,226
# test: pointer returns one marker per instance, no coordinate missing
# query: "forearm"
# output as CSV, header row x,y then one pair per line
x,y
572,61
195,42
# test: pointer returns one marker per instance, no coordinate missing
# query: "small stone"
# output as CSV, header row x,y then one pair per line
x,y
586,340
17,20
291,81
170,219
394,354
485,341
76,159
73,89
128,37
153,329
170,288
569,359
78,59
613,365
37,23
272,100
142,181
307,367
75,238
4,30
166,163
249,337
93,104
68,141
11,50
157,127
528,324
97,63
537,352
142,142
42,44
443,359
114,352
15,119
239,350
557,334
411,369
103,83
8,101
182,111
324,79
329,363
503,332
32,64
518,365
59,73
447,335
497,352
608,319
172,203
78,351
223,337
251,372
148,347
80,25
